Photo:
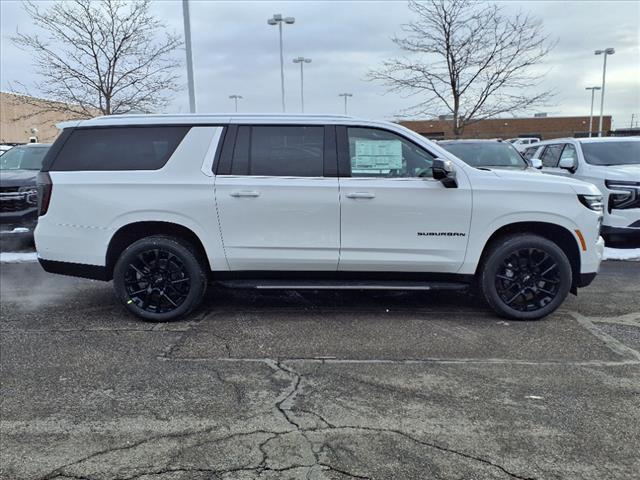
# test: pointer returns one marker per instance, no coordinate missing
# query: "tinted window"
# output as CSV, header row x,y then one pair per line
x,y
285,151
487,154
379,153
551,155
612,153
23,158
119,148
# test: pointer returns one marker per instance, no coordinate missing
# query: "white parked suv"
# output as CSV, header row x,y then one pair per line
x,y
163,205
612,164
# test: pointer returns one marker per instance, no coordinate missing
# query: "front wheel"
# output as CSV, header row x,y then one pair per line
x,y
159,278
525,277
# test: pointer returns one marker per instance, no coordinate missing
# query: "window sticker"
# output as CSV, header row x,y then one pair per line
x,y
377,155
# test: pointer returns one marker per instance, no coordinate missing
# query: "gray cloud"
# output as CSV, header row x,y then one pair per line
x,y
235,51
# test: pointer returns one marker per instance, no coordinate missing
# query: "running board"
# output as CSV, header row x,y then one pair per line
x,y
341,285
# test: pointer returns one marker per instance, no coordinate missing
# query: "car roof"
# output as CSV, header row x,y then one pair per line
x,y
471,140
586,140
208,119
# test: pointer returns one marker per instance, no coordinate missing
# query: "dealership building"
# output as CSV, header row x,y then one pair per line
x,y
540,126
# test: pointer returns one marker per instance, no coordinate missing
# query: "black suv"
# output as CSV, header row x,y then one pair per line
x,y
18,194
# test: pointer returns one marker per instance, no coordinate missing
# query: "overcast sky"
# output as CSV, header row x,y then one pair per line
x,y
236,52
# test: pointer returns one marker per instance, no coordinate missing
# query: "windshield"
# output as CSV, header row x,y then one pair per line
x,y
23,158
487,154
612,153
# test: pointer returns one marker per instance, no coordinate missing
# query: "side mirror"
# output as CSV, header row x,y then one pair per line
x,y
445,171
568,163
536,163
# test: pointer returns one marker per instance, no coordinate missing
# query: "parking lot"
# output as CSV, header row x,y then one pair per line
x,y
317,385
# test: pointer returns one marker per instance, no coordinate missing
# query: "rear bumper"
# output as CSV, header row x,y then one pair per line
x,y
94,272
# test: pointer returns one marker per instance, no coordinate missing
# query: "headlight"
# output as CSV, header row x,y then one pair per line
x,y
592,202
31,194
623,195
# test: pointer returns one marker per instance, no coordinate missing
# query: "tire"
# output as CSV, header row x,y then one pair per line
x,y
525,277
160,278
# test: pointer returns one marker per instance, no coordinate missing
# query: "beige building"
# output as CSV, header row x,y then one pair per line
x,y
22,117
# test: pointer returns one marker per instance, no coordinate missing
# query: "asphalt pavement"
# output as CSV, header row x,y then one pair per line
x,y
303,384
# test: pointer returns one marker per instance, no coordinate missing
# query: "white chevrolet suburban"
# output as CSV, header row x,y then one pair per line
x,y
166,204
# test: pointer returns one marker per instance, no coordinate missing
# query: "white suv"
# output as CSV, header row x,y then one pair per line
x,y
165,204
611,164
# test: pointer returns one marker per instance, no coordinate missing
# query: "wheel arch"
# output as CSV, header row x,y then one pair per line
x,y
558,234
132,232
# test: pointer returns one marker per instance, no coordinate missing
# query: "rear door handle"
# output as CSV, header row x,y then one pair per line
x,y
360,195
245,193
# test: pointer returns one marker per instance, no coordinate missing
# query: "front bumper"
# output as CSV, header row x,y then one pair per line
x,y
621,234
18,223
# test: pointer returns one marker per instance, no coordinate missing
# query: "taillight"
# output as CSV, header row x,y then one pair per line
x,y
44,192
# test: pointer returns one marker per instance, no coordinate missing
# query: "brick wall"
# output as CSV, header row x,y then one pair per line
x,y
18,117
545,127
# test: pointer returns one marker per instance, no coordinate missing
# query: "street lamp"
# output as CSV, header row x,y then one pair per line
x,y
302,61
593,91
187,45
606,51
345,95
235,98
278,20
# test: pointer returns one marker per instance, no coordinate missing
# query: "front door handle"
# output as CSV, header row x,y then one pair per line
x,y
360,195
245,193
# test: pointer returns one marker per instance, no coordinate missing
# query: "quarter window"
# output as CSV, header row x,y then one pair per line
x,y
551,155
380,153
119,148
279,151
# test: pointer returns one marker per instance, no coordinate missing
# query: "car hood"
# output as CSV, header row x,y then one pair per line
x,y
617,172
539,181
17,178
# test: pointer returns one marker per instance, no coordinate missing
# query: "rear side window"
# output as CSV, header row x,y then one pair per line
x,y
551,155
279,151
119,148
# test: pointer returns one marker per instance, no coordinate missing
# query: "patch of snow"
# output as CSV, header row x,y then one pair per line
x,y
18,257
621,254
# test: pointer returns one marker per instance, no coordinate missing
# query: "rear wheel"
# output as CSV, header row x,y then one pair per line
x,y
525,277
160,278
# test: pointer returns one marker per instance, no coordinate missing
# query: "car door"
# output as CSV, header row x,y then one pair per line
x,y
394,215
277,203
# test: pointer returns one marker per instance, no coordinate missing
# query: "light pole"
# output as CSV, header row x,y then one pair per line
x,y
187,45
345,95
606,51
302,61
593,91
235,98
277,20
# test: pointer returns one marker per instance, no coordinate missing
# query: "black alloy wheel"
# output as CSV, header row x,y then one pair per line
x,y
157,281
160,278
528,279
525,276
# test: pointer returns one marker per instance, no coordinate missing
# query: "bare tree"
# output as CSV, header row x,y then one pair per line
x,y
105,57
467,60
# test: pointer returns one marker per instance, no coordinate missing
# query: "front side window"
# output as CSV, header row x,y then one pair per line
x,y
23,158
279,151
570,152
530,152
551,155
119,148
379,153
